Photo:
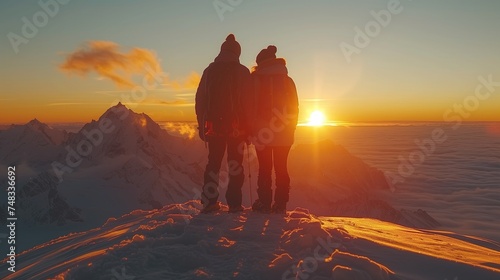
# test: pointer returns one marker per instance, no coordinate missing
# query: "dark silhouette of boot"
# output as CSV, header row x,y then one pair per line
x,y
279,208
235,209
259,206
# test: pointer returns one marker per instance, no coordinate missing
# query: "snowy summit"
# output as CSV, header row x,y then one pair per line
x,y
176,242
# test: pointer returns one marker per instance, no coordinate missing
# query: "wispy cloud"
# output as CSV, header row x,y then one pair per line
x,y
73,103
182,128
315,99
110,62
180,95
191,82
106,59
178,102
173,103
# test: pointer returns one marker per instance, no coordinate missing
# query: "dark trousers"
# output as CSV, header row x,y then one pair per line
x,y
277,156
216,149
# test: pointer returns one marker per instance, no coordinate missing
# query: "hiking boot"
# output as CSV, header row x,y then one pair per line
x,y
259,206
211,208
279,208
235,209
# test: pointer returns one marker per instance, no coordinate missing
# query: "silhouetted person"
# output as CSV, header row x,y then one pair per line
x,y
274,119
220,110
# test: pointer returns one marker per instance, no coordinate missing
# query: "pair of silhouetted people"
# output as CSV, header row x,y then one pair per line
x,y
235,107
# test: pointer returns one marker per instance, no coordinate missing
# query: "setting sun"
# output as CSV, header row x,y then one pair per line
x,y
317,118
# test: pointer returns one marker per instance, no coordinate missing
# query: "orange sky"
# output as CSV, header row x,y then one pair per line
x,y
76,66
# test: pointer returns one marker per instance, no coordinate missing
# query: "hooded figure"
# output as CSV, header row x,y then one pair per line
x,y
220,110
273,117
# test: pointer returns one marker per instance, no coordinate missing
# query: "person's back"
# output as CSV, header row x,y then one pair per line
x,y
220,110
274,119
226,90
275,104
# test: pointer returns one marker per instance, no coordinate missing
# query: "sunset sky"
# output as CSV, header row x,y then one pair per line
x,y
415,67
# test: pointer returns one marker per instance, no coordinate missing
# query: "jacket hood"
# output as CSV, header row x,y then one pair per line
x,y
227,56
274,66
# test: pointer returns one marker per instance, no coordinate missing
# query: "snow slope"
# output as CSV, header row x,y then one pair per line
x,y
176,242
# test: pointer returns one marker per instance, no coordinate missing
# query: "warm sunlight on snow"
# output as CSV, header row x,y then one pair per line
x,y
177,242
317,118
442,245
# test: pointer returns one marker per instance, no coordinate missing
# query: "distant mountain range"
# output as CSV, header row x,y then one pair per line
x,y
125,161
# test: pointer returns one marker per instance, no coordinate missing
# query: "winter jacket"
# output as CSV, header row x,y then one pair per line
x,y
275,105
222,96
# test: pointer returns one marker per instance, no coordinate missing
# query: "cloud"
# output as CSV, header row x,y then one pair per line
x,y
178,102
106,59
191,82
110,62
72,103
315,99
183,129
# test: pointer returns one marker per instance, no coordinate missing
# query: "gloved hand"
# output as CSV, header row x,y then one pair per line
x,y
201,134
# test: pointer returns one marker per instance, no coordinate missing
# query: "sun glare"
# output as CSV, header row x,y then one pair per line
x,y
317,118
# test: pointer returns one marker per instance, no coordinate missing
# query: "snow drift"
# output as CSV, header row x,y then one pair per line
x,y
176,242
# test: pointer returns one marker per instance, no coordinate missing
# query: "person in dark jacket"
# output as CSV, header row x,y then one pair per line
x,y
274,117
222,123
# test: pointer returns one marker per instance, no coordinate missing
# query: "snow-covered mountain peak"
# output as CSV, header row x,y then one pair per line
x,y
119,111
34,143
120,131
55,136
35,122
123,117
